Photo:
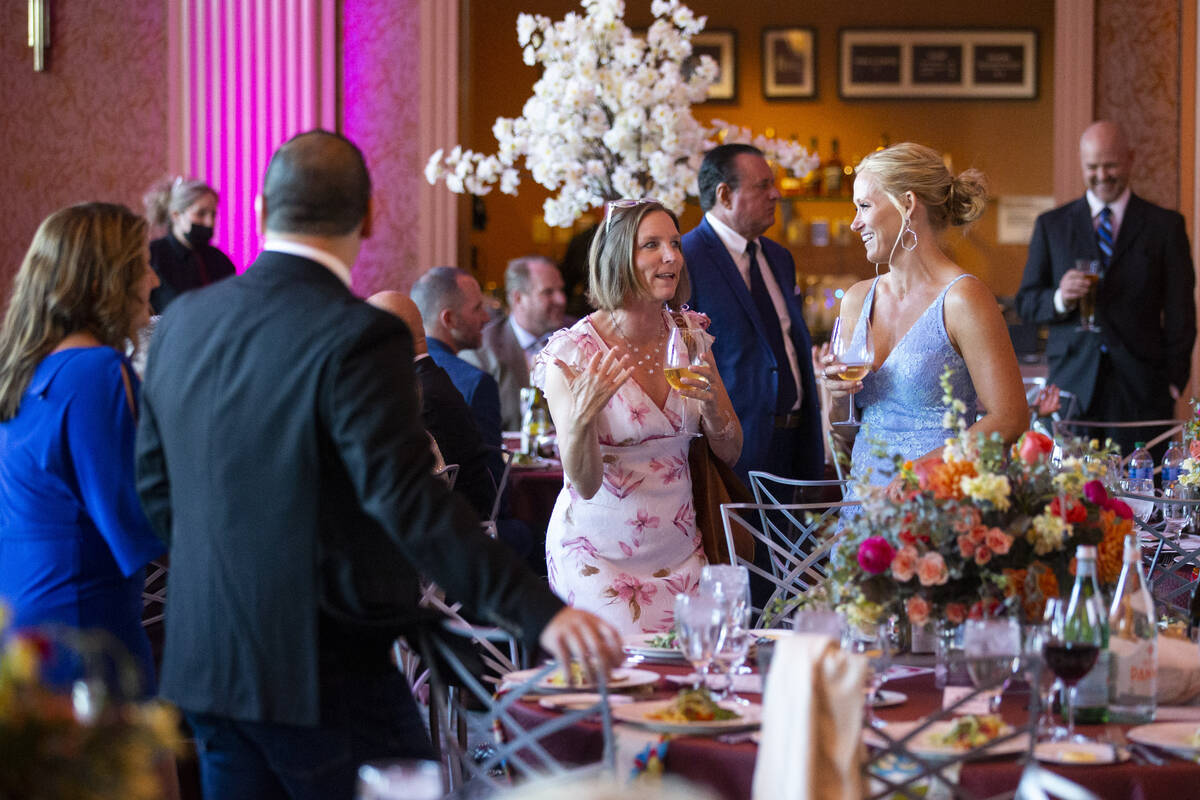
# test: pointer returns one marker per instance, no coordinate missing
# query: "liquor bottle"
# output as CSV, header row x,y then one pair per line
x,y
811,182
831,173
1132,643
535,423
1091,693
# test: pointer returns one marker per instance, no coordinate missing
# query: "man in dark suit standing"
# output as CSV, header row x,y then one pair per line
x,y
536,309
746,284
280,453
1139,361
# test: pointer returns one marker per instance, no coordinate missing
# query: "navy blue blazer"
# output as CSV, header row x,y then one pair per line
x,y
743,354
1144,306
482,394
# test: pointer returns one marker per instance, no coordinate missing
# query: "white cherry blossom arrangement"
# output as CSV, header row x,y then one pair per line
x,y
610,116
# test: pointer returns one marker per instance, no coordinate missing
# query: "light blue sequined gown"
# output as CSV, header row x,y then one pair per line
x,y
901,403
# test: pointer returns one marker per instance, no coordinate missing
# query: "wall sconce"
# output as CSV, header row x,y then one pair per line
x,y
39,32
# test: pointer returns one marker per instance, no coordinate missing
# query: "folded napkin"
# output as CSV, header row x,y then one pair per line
x,y
1178,671
742,684
811,746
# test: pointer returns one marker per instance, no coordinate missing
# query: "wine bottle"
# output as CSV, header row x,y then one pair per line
x,y
1091,693
831,172
1133,643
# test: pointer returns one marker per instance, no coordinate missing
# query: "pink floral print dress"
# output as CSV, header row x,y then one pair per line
x,y
626,553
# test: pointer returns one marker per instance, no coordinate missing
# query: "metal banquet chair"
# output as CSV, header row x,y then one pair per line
x,y
792,534
520,748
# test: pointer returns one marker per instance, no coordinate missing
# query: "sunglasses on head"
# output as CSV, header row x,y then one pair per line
x,y
627,203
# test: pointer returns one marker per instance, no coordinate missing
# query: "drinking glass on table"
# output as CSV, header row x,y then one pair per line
x,y
699,631
730,587
1072,646
1039,676
877,643
856,359
992,647
1087,304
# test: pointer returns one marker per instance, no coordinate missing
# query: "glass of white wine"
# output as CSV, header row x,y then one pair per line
x,y
684,350
1091,269
992,647
856,358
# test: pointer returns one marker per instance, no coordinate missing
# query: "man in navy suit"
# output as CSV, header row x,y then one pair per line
x,y
1140,360
746,284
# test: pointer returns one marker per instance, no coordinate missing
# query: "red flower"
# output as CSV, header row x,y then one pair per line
x,y
988,605
1034,447
1119,507
875,554
1095,493
1075,514
955,613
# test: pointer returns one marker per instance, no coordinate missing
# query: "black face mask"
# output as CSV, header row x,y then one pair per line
x,y
199,235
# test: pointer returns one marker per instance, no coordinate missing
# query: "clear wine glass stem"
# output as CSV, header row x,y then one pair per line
x,y
1071,714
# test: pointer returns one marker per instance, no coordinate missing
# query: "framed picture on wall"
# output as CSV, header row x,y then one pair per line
x,y
958,64
721,47
789,58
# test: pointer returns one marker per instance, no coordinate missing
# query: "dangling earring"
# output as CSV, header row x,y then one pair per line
x,y
904,230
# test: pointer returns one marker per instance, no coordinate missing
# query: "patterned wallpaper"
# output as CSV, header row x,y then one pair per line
x,y
92,127
1137,85
381,44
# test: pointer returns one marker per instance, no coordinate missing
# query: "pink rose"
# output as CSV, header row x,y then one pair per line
x,y
904,565
955,613
1034,447
917,608
1095,493
875,554
997,541
978,534
1119,507
966,547
983,556
931,570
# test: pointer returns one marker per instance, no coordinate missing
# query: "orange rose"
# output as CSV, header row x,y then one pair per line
x,y
918,609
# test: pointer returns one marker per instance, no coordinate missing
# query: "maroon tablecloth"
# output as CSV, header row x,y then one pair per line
x,y
729,768
531,495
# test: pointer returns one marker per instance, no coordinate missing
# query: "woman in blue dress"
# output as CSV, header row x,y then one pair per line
x,y
74,542
925,314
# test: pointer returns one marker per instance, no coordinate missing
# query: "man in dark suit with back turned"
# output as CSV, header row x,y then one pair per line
x,y
280,453
746,284
1138,363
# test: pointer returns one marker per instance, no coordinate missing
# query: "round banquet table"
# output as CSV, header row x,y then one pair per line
x,y
532,493
729,768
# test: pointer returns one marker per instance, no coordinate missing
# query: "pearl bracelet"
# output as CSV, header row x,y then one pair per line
x,y
726,430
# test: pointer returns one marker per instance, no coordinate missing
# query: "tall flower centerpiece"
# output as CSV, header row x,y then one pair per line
x,y
609,117
986,526
55,746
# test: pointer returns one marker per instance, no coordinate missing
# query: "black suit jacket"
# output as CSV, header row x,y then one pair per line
x,y
448,419
280,452
1144,307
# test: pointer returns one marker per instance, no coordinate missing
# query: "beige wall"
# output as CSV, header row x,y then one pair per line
x,y
1008,140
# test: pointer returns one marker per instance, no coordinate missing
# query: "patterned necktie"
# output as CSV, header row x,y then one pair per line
x,y
1104,235
786,396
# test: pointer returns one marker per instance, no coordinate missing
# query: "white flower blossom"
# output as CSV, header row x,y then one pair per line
x,y
610,116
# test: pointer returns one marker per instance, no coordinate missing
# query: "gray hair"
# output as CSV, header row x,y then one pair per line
x,y
516,275
437,290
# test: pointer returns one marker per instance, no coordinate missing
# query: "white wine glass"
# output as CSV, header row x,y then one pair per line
x,y
993,651
878,645
856,358
699,632
1091,269
729,586
684,350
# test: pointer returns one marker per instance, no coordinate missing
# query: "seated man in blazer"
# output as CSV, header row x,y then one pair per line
x,y
536,309
746,284
280,453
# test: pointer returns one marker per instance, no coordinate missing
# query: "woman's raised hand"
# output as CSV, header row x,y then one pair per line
x,y
593,386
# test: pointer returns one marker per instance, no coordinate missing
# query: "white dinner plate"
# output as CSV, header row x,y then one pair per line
x,y
620,680
774,634
1083,753
886,698
925,743
640,646
750,716
1174,737
570,701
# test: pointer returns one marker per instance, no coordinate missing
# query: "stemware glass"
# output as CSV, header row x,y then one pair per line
x,y
730,587
1091,269
699,630
1072,646
992,647
1039,677
684,350
876,642
856,359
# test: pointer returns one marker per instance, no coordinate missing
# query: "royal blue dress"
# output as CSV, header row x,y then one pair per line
x,y
74,542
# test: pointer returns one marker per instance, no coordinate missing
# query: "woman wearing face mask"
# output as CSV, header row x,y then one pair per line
x,y
926,314
183,259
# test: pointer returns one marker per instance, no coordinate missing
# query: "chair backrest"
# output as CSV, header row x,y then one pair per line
x,y
448,473
507,455
894,768
768,488
794,546
518,745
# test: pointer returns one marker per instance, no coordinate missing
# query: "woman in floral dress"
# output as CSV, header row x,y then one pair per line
x,y
622,541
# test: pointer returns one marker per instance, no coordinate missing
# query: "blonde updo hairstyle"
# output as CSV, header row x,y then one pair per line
x,y
173,195
909,167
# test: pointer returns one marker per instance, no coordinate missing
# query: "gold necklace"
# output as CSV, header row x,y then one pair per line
x,y
653,358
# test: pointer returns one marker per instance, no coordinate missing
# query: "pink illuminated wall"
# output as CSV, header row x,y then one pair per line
x,y
245,76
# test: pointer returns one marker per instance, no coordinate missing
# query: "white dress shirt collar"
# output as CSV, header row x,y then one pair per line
x,y
322,257
524,337
1118,206
734,242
